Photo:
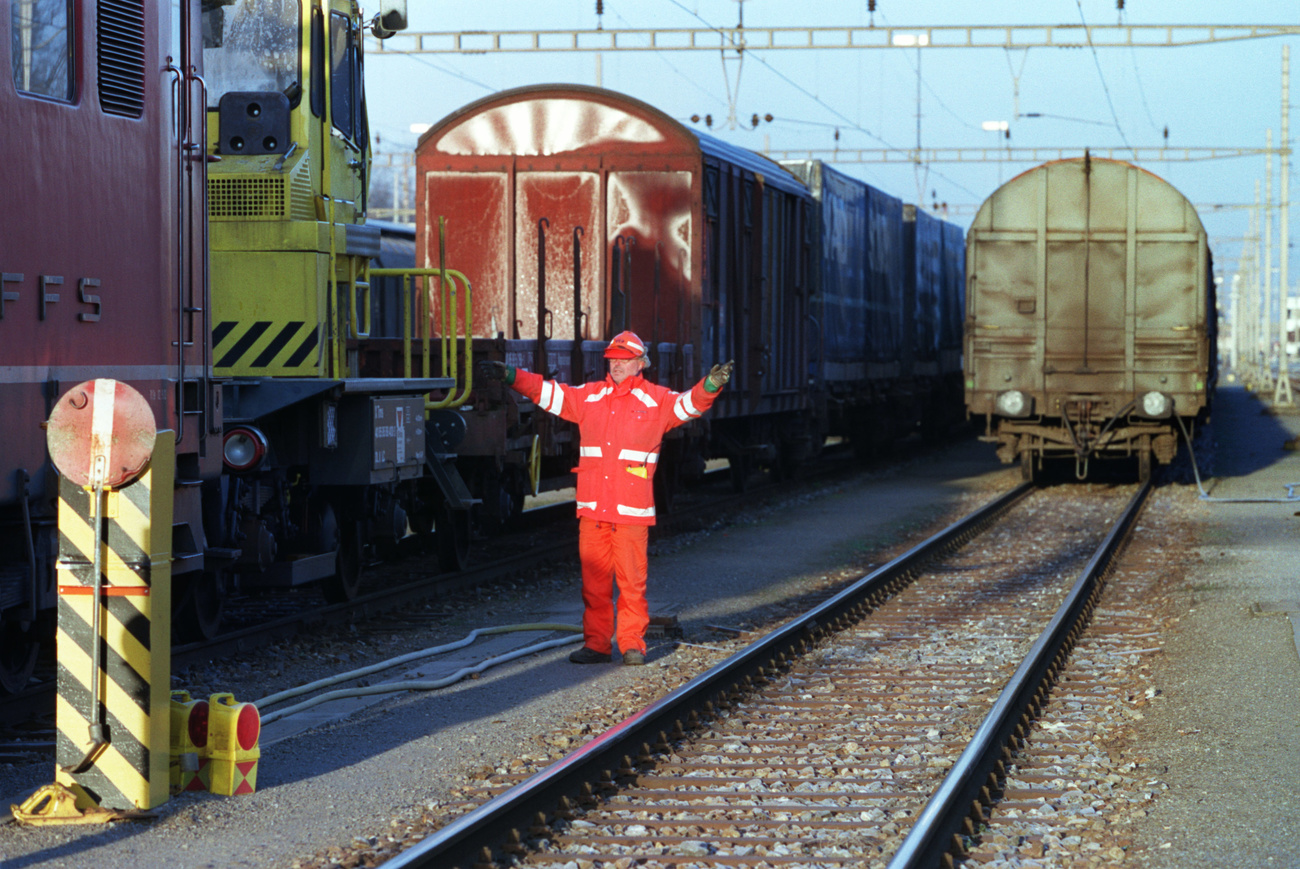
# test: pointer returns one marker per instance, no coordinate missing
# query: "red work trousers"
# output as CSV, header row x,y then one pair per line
x,y
613,551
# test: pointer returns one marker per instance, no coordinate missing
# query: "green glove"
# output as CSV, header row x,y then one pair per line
x,y
493,370
719,375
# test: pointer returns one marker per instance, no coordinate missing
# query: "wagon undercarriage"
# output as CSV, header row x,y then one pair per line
x,y
1030,442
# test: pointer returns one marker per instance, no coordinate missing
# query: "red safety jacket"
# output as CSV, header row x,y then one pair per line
x,y
620,427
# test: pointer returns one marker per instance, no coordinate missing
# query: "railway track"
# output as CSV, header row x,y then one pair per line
x,y
395,586
880,727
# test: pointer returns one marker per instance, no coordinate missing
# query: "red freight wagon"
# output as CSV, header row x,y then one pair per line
x,y
622,218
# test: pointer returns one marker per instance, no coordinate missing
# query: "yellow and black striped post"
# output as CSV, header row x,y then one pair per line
x,y
134,691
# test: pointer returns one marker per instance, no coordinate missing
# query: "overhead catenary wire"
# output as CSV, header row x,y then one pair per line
x,y
1101,75
449,71
836,112
926,84
1137,77
663,57
847,120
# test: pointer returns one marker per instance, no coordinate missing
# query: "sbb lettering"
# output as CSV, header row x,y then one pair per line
x,y
47,295
6,294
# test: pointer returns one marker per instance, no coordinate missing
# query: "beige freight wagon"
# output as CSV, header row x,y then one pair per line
x,y
1090,316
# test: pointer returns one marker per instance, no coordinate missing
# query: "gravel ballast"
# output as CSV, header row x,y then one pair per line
x,y
343,789
1215,746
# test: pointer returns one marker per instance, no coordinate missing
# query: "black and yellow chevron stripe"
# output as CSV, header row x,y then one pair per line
x,y
135,638
265,347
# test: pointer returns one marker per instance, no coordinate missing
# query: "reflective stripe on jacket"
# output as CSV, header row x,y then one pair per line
x,y
621,427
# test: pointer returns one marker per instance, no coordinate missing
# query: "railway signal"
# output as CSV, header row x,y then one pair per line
x,y
114,630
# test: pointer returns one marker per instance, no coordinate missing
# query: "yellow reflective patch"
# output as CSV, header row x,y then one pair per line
x,y
638,471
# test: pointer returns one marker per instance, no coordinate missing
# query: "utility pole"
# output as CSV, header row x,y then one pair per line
x,y
1247,296
600,25
1282,394
1234,316
920,182
1241,325
1258,353
1266,297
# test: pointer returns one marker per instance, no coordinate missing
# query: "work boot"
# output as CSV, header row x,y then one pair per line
x,y
633,657
589,656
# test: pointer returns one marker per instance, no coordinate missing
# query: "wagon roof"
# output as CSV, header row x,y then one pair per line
x,y
568,119
1015,189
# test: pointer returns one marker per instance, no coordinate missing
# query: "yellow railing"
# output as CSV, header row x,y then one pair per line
x,y
451,284
452,323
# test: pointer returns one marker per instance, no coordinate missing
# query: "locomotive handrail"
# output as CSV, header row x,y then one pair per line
x,y
452,326
354,318
449,328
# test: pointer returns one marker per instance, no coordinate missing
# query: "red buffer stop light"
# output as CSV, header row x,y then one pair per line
x,y
233,751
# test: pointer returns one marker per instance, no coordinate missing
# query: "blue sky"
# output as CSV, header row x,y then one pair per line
x,y
1219,95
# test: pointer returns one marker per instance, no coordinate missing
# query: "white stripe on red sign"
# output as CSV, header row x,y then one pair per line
x,y
101,430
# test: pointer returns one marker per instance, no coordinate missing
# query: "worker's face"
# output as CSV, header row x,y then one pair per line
x,y
622,369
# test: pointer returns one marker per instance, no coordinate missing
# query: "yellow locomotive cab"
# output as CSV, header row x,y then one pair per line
x,y
324,461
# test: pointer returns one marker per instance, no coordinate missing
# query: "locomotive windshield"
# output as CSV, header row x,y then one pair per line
x,y
251,45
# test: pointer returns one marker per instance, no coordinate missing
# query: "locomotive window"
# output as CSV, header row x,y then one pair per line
x,y
41,47
343,79
317,64
251,45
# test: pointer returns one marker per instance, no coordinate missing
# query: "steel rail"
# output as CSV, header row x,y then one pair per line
x,y
481,835
37,700
960,798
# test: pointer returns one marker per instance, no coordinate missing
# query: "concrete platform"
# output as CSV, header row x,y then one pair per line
x,y
1226,738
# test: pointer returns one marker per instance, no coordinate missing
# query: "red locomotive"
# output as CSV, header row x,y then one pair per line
x,y
158,187
103,260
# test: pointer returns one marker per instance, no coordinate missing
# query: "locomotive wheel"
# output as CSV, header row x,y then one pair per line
x,y
197,606
346,581
451,535
512,487
18,652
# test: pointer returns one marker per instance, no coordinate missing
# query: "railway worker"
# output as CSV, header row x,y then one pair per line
x,y
621,424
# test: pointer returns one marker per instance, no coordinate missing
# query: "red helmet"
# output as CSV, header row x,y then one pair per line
x,y
626,345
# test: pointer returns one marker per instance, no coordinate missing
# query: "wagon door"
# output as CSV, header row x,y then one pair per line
x,y
566,200
782,317
1088,290
651,213
1172,305
477,208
